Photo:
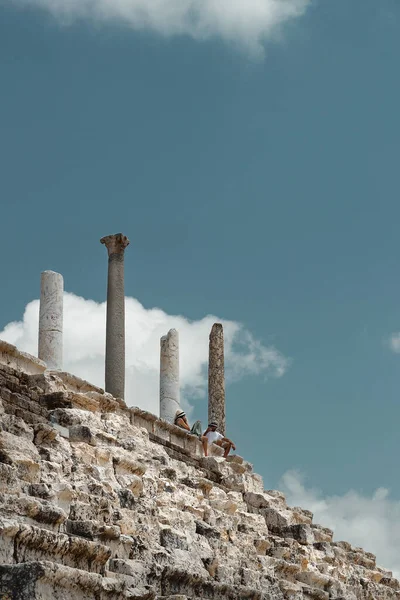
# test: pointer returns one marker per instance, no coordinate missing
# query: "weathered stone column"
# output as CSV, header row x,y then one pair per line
x,y
169,375
216,377
115,329
51,320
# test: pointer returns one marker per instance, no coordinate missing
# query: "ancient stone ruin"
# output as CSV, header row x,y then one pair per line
x,y
101,501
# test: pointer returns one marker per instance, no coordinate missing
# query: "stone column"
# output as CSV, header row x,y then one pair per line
x,y
169,375
51,320
216,377
115,329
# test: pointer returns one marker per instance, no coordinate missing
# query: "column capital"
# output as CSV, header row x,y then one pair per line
x,y
115,243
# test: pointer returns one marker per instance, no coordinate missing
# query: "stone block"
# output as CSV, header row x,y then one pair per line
x,y
62,431
131,482
327,550
125,464
219,500
55,400
21,453
256,500
20,361
9,479
276,521
391,582
126,499
279,496
133,568
40,490
202,528
16,426
235,458
214,450
27,404
301,533
238,468
262,545
253,483
176,439
81,433
314,579
171,539
192,444
44,434
161,431
313,593
358,556
322,534
87,529
109,532
19,582
213,463
300,515
45,580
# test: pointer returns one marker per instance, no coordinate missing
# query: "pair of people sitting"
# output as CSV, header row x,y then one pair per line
x,y
210,436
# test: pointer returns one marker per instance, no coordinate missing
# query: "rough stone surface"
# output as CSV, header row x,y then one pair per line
x,y
216,377
22,361
51,320
115,329
169,376
117,510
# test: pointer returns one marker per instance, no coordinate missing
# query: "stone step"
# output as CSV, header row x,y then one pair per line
x,y
296,590
20,542
27,416
178,584
30,508
37,580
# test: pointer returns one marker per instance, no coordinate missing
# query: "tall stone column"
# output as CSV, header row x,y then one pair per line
x,y
51,320
216,377
115,329
169,375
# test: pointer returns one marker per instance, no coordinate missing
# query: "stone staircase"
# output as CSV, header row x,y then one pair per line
x,y
101,501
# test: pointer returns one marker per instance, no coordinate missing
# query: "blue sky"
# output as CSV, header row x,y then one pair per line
x,y
253,163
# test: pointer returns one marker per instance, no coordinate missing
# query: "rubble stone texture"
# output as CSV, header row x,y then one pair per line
x,y
169,375
216,378
51,319
115,329
99,501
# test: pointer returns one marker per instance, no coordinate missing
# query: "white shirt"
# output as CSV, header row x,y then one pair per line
x,y
214,436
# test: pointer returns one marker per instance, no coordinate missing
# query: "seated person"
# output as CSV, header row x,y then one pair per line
x,y
181,421
215,437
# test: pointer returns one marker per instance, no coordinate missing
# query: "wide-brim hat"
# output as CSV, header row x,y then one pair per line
x,y
180,414
213,424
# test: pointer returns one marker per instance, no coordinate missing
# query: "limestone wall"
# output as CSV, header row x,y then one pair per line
x,y
99,501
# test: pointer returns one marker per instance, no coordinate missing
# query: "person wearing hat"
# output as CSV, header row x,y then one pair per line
x,y
181,421
215,437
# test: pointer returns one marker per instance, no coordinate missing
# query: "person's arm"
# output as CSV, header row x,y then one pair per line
x,y
183,424
206,431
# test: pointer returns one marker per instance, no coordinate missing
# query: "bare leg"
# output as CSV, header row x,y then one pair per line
x,y
204,441
227,449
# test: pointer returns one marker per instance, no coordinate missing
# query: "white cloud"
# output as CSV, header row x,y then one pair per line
x,y
394,342
370,522
84,345
247,22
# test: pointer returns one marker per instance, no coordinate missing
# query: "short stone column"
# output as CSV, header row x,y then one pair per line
x,y
51,320
169,376
115,328
216,377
